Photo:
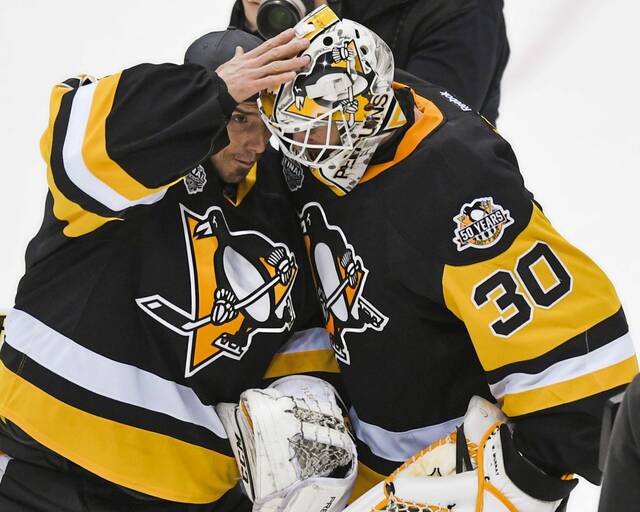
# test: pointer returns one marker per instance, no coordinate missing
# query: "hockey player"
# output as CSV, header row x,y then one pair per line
x,y
163,279
440,276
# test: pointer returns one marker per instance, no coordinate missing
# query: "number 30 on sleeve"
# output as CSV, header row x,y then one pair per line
x,y
524,274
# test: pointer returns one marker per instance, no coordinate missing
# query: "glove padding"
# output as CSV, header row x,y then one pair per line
x,y
472,469
292,447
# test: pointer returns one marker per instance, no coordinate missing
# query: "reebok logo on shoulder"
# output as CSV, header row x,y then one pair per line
x,y
456,101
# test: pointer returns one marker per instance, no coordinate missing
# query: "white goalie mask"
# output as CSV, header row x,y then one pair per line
x,y
334,114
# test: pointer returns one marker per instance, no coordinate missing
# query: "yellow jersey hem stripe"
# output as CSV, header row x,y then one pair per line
x,y
302,362
571,390
145,461
612,353
367,478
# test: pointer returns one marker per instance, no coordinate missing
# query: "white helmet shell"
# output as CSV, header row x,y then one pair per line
x,y
333,115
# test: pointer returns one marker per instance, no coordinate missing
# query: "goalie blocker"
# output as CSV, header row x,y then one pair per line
x,y
292,446
475,468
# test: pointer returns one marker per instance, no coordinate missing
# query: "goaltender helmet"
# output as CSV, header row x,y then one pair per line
x,y
334,114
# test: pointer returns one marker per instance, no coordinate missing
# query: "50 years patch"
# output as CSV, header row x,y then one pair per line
x,y
480,224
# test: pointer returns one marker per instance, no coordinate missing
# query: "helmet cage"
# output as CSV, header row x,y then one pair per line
x,y
314,154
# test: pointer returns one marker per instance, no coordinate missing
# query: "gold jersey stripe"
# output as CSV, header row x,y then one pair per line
x,y
79,221
591,300
366,479
302,362
145,461
571,390
94,145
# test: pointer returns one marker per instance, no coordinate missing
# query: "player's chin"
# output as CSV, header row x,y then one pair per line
x,y
237,172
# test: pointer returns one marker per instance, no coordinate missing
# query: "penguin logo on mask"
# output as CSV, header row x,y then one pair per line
x,y
241,284
340,277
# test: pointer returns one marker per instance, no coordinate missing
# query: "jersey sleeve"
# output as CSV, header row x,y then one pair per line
x,y
545,321
119,142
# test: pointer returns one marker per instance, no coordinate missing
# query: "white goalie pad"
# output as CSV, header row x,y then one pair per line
x,y
292,447
475,468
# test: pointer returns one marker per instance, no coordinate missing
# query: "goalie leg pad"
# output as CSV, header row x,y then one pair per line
x,y
495,477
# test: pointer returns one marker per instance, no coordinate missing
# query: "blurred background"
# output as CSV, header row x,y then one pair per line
x,y
569,108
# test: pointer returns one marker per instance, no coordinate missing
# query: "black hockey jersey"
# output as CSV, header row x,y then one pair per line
x,y
440,278
149,294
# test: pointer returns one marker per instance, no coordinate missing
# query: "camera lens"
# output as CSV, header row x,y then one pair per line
x,y
279,16
274,16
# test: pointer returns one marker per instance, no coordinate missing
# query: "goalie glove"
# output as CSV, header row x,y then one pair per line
x,y
475,468
292,447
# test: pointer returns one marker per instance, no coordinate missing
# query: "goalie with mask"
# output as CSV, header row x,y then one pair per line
x,y
474,292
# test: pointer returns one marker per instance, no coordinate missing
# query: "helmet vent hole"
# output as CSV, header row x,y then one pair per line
x,y
327,41
357,33
364,50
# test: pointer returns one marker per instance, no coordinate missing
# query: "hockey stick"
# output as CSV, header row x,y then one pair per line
x,y
346,261
275,259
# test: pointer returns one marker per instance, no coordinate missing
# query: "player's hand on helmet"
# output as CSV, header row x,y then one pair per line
x,y
269,65
474,468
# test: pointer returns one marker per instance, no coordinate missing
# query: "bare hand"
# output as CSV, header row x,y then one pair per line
x,y
272,63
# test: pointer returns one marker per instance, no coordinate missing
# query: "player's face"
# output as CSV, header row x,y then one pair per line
x,y
248,139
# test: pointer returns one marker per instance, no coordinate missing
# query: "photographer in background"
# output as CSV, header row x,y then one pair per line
x,y
460,45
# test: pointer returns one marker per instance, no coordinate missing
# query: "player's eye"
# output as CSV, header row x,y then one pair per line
x,y
239,118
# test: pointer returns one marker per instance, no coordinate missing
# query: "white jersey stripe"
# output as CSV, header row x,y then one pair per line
x,y
399,446
607,355
305,341
106,377
4,461
75,166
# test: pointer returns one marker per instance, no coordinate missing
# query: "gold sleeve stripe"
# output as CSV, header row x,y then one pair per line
x,y
593,361
591,300
430,119
570,390
79,169
366,479
302,362
94,146
79,221
145,461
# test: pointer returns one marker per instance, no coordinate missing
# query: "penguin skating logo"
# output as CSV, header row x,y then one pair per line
x,y
241,286
340,277
480,224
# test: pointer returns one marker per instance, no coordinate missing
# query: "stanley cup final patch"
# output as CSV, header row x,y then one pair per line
x,y
480,224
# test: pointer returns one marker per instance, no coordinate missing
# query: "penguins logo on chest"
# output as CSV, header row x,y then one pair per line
x,y
241,284
340,277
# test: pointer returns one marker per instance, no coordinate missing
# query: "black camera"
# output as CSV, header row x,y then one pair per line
x,y
274,16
